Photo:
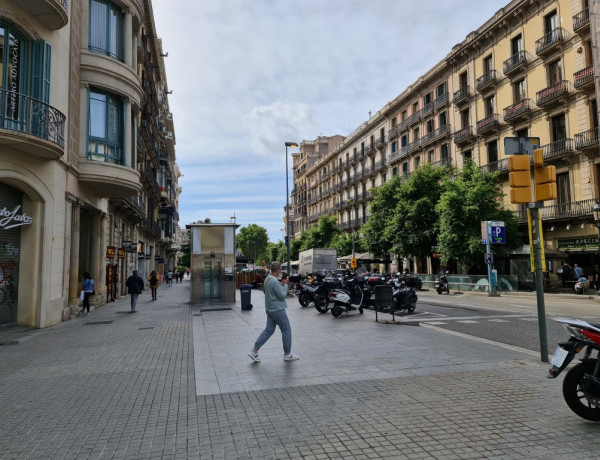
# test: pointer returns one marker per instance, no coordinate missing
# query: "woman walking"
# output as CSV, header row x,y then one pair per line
x,y
88,290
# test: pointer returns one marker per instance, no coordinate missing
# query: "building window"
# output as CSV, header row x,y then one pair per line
x,y
464,118
519,90
563,188
403,116
427,99
417,162
559,127
394,171
468,154
394,122
415,135
442,119
429,126
492,152
394,146
440,90
105,127
415,107
516,44
405,169
550,22
404,140
555,72
106,29
489,104
463,80
488,64
431,156
445,153
523,132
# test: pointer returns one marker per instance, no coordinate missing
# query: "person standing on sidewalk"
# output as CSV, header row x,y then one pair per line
x,y
153,283
170,277
275,305
88,290
135,286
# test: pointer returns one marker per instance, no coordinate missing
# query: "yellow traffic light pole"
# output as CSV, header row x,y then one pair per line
x,y
521,191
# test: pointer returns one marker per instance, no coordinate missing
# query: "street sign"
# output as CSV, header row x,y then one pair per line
x,y
353,263
521,145
488,258
483,232
498,233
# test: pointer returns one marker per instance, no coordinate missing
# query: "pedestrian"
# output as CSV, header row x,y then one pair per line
x,y
188,272
87,286
181,275
596,278
170,277
566,273
275,305
153,283
577,272
135,286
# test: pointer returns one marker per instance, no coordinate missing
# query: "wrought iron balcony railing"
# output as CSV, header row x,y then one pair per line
x,y
462,95
426,110
584,77
488,123
487,79
587,139
496,166
151,225
562,211
553,93
549,40
441,101
27,115
581,19
518,110
516,61
559,148
464,135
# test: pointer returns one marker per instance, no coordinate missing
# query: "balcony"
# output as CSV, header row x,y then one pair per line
x,y
131,206
443,162
380,143
412,119
496,166
109,180
54,14
426,110
584,79
31,126
149,179
369,149
392,133
559,148
487,80
489,123
441,101
516,62
562,211
464,136
554,94
442,132
517,112
550,42
463,95
581,21
587,140
150,226
413,147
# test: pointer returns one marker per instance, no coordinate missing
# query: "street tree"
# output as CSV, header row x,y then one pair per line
x,y
471,197
252,240
320,236
377,235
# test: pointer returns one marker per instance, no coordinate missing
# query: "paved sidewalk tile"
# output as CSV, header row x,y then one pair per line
x,y
174,381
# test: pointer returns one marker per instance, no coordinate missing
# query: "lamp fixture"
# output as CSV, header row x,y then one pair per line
x,y
568,226
582,225
552,228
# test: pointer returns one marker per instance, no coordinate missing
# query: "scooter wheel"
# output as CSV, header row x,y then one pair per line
x,y
412,307
303,300
360,310
336,311
321,304
439,291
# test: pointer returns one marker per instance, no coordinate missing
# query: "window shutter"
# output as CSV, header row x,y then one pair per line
x,y
40,80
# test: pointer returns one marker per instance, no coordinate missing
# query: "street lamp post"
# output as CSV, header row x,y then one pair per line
x,y
287,205
596,213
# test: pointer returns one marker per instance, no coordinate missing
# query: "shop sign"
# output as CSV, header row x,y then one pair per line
x,y
10,219
148,256
121,253
110,252
577,243
157,258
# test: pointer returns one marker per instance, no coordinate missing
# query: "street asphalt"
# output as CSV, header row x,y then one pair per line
x,y
173,381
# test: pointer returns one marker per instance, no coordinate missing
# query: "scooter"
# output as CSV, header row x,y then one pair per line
x,y
346,300
405,298
316,294
441,284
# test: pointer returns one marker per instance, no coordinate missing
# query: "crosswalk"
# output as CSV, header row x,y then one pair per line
x,y
438,319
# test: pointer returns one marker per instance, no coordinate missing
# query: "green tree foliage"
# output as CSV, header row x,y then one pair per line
x,y
412,228
184,257
320,236
473,196
377,236
252,240
343,244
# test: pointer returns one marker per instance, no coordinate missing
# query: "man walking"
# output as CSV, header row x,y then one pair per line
x,y
135,286
275,294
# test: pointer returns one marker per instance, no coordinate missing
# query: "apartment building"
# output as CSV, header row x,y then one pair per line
x,y
527,72
88,173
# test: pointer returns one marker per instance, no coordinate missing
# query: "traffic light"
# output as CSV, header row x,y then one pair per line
x,y
519,179
545,178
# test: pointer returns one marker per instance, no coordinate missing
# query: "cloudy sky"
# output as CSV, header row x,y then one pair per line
x,y
249,75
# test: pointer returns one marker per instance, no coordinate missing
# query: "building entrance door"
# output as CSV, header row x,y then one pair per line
x,y
212,279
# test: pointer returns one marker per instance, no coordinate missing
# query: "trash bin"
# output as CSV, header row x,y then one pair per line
x,y
246,294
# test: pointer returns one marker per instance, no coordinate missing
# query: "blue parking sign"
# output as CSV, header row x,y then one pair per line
x,y
498,233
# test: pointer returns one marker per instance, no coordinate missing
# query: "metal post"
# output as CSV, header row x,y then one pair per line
x,y
488,248
539,284
287,210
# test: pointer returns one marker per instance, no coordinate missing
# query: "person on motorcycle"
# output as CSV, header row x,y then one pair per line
x,y
275,305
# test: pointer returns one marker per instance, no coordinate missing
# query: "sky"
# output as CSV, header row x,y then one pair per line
x,y
249,75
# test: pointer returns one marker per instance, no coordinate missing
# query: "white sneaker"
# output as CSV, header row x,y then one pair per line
x,y
254,356
291,357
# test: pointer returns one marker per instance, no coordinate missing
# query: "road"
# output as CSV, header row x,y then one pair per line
x,y
510,319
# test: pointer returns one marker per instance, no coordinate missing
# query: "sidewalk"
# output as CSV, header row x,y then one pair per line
x,y
173,381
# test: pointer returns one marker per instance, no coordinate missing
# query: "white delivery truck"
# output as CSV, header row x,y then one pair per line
x,y
317,260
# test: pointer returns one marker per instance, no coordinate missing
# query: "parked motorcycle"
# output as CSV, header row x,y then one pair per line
x,y
405,297
581,385
441,284
346,300
314,294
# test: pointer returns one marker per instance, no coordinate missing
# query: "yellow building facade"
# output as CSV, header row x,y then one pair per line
x,y
527,72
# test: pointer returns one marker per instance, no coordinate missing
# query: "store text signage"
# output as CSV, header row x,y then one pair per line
x,y
121,253
577,243
110,252
10,219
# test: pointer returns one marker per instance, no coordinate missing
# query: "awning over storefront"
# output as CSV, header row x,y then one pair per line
x,y
523,251
361,257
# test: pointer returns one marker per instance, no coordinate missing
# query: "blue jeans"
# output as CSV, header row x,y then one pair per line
x,y
134,298
277,318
